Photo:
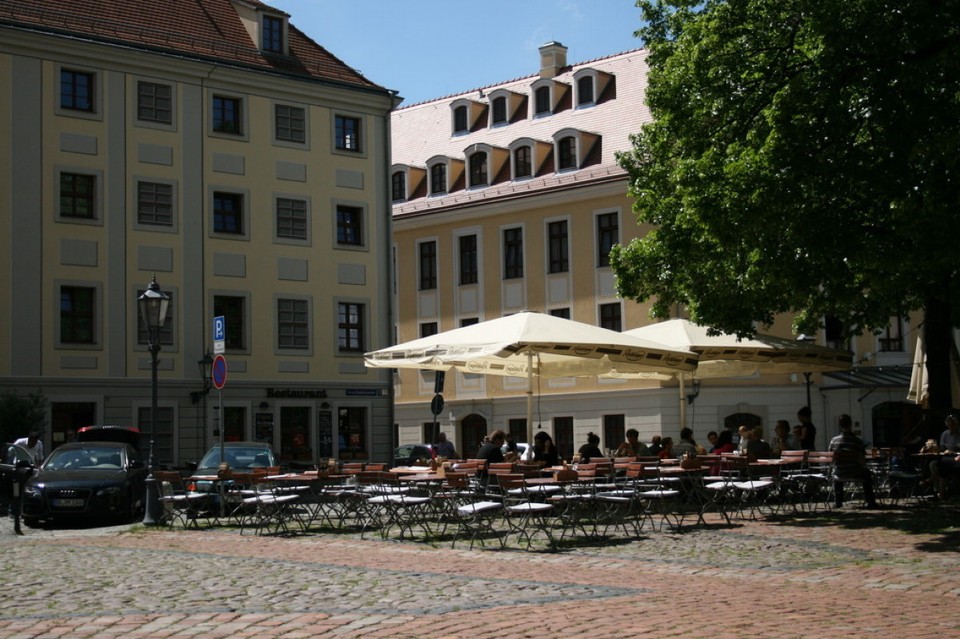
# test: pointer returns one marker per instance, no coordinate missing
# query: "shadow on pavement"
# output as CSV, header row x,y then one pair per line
x,y
938,519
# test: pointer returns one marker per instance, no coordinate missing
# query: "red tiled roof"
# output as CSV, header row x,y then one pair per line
x,y
422,131
207,29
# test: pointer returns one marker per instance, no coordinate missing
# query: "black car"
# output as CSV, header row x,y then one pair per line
x,y
412,454
87,481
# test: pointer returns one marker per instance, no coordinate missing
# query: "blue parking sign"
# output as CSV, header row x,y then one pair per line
x,y
219,328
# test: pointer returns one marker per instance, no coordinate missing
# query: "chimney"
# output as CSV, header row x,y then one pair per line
x,y
553,58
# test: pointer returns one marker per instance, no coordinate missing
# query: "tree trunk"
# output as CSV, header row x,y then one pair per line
x,y
938,336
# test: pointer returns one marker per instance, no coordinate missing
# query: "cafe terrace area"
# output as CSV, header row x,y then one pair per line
x,y
514,505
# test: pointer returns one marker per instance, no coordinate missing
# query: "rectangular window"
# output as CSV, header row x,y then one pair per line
x,y
522,165
614,431
291,218
350,338
428,328
347,133
499,110
154,102
398,186
428,265
469,273
561,312
227,115
518,429
469,321
559,252
438,179
585,90
231,309
295,430
563,436
460,119
567,151
512,253
891,340
290,123
541,100
608,234
272,34
349,225
352,432
228,213
154,203
78,195
293,324
610,316
77,315
478,169
76,90
166,331
162,433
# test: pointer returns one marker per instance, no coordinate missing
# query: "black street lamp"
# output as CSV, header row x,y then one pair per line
x,y
206,366
153,305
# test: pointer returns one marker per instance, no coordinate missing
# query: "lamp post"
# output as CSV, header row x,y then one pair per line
x,y
153,304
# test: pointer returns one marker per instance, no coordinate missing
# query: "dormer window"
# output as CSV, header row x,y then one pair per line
x,y
272,39
529,157
467,114
593,87
575,148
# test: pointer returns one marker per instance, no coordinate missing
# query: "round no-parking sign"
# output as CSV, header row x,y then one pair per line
x,y
219,371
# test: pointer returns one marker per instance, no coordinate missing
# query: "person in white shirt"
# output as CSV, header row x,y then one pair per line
x,y
34,446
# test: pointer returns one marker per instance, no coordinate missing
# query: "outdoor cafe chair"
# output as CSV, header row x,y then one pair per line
x,y
268,510
525,517
180,505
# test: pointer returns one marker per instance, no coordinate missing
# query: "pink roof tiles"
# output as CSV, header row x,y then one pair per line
x,y
205,29
424,130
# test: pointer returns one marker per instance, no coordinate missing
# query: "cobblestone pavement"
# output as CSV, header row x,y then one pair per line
x,y
849,573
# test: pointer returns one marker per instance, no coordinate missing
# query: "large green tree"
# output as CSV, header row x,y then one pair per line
x,y
804,157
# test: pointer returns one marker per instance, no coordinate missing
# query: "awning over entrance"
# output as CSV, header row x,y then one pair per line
x,y
870,377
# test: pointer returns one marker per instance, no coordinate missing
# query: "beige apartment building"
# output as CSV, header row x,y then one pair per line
x,y
212,145
508,198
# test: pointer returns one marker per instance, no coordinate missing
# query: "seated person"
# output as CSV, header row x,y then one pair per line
x,y
724,443
544,450
666,448
856,468
686,445
490,451
757,447
943,470
633,447
591,448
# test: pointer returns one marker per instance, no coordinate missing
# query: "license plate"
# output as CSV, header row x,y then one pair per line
x,y
67,503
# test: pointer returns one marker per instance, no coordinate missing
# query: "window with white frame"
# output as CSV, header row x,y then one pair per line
x,y
522,162
608,234
438,179
478,169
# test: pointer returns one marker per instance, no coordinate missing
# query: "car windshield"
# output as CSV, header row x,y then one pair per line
x,y
86,458
239,457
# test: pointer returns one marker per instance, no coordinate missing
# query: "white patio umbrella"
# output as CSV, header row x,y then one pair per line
x,y
726,355
532,345
919,381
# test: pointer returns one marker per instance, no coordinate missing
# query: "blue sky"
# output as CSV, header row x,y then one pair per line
x,y
427,49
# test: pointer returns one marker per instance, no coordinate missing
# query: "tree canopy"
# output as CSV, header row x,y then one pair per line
x,y
803,158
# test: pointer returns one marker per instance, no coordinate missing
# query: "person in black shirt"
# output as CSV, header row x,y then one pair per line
x,y
544,450
491,452
591,448
808,432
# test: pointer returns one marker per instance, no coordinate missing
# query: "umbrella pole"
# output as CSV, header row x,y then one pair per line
x,y
683,402
529,398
